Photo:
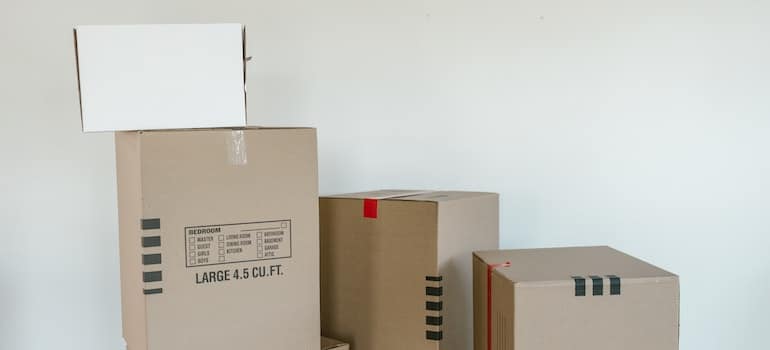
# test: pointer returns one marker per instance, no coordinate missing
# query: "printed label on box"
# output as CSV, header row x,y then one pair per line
x,y
236,243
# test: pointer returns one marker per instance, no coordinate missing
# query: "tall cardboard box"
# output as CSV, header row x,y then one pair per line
x,y
219,239
396,266
593,298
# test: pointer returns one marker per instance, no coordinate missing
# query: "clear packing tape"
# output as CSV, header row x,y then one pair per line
x,y
236,148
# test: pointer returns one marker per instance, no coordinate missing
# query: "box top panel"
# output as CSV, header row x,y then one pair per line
x,y
224,129
557,264
160,76
412,195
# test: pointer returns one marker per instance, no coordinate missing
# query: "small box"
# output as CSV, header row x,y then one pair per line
x,y
396,266
573,298
161,76
183,184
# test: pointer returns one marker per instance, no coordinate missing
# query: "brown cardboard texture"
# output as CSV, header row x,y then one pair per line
x,y
219,239
396,266
573,298
332,344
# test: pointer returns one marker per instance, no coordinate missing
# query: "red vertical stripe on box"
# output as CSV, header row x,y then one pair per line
x,y
491,268
370,208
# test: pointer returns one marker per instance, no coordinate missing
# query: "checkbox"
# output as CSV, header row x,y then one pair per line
x,y
192,246
192,254
259,240
259,254
284,225
221,258
192,240
221,244
221,252
192,261
221,237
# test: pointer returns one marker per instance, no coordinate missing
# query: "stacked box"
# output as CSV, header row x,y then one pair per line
x,y
573,298
396,266
218,227
219,239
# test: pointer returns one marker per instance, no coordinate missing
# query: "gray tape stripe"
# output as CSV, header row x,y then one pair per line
x,y
152,276
153,291
614,284
151,259
150,224
434,291
580,286
434,305
152,241
434,320
598,285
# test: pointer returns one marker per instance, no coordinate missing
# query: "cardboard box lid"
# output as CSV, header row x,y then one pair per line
x,y
161,76
328,344
560,264
412,195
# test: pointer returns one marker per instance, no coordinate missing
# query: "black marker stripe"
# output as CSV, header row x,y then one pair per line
x,y
434,278
153,291
150,224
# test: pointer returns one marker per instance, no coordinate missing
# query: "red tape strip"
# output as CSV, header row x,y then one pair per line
x,y
370,208
490,268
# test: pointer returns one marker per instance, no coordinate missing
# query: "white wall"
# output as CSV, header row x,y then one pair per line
x,y
644,125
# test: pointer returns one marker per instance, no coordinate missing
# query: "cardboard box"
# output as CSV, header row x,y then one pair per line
x,y
396,266
219,239
332,344
573,298
163,76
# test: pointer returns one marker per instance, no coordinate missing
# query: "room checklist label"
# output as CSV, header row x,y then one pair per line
x,y
236,243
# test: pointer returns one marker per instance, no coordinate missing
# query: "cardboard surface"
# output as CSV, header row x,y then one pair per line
x,y
401,279
217,253
332,344
539,302
170,76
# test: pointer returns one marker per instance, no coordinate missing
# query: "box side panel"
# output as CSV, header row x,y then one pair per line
x,y
373,273
239,258
479,303
644,315
127,155
502,313
465,225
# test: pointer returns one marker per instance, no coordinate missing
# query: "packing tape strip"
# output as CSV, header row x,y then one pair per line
x,y
370,203
490,268
236,148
